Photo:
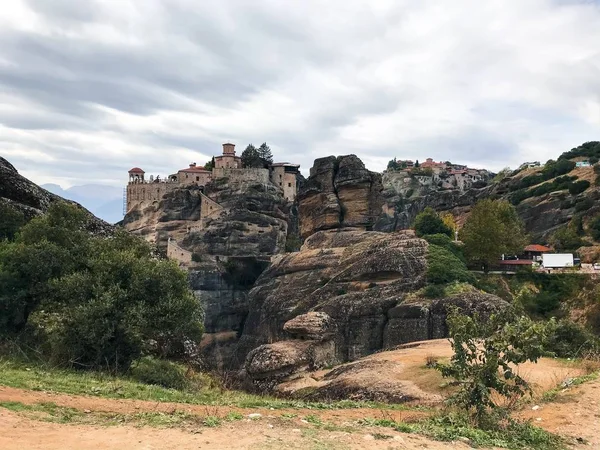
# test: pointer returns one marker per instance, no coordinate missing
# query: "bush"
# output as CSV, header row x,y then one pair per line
x,y
429,222
578,187
444,267
443,240
160,372
584,205
10,221
571,340
566,238
594,228
485,356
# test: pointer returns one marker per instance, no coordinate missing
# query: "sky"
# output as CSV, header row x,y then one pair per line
x,y
92,88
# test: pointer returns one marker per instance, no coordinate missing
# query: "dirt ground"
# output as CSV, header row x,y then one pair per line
x,y
575,413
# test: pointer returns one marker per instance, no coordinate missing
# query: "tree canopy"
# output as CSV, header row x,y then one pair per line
x,y
260,157
492,229
429,222
93,302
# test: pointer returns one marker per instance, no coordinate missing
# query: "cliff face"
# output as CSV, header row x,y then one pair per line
x,y
32,200
231,229
339,193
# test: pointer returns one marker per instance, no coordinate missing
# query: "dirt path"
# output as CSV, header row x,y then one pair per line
x,y
18,432
127,406
576,413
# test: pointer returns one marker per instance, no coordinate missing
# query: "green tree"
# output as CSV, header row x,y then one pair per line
x,y
264,153
492,229
578,187
566,238
429,222
210,165
10,221
594,228
486,356
393,165
251,157
93,302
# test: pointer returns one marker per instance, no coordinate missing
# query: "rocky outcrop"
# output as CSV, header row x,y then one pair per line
x,y
32,200
340,192
426,319
351,278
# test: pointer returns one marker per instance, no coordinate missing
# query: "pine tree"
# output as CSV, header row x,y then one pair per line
x,y
264,152
251,157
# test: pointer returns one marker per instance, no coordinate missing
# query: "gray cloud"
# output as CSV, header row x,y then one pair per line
x,y
93,88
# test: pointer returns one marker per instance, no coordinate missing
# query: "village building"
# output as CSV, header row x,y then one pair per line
x,y
534,252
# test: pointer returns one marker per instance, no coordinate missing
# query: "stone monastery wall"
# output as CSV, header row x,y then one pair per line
x,y
140,193
242,175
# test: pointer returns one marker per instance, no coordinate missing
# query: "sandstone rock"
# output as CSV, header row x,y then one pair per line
x,y
340,192
269,364
27,197
419,321
316,326
353,276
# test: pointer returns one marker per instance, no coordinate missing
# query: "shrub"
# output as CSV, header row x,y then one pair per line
x,y
10,221
566,238
429,222
594,228
434,291
485,356
584,205
445,267
578,187
160,372
443,240
571,340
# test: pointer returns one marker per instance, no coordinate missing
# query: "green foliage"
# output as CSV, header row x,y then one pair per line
x,y
584,205
159,372
444,267
550,290
486,355
251,157
210,165
93,302
10,221
566,238
588,149
578,187
393,165
293,243
492,229
429,222
264,153
594,228
568,339
558,184
443,240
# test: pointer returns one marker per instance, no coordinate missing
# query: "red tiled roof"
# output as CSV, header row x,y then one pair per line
x,y
136,170
516,262
537,248
198,169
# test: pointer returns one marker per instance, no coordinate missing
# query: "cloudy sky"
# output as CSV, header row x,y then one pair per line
x,y
90,88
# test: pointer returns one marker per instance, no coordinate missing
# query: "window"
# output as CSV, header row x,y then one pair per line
x,y
289,184
197,178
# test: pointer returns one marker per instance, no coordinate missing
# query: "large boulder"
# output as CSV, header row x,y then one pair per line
x,y
340,192
353,277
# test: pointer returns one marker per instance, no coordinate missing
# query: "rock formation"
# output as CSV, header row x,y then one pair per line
x,y
340,298
340,192
27,197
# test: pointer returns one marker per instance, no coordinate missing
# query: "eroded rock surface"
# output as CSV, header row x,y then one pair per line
x,y
32,200
340,192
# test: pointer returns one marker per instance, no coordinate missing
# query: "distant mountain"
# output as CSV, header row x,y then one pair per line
x,y
103,201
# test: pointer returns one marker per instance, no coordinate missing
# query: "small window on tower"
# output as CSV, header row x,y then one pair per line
x,y
289,184
197,178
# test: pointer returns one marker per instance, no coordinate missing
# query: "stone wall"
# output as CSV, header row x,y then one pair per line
x,y
242,175
146,193
176,253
